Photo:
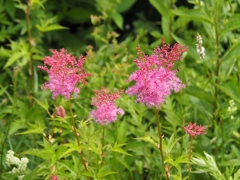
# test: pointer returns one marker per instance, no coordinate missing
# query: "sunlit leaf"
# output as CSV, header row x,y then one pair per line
x,y
193,14
118,19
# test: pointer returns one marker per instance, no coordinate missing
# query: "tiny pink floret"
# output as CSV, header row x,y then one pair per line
x,y
53,177
64,72
155,78
106,109
194,130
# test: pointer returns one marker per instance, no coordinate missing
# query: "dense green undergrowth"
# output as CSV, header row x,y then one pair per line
x,y
109,32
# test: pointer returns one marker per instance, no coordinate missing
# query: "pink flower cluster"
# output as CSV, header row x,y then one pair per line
x,y
155,78
194,130
106,109
65,72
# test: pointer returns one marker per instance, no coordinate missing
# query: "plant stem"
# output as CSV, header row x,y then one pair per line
x,y
190,157
31,70
217,65
160,141
103,129
77,135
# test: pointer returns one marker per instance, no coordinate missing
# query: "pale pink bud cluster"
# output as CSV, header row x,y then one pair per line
x,y
106,109
60,111
155,78
53,177
64,72
194,130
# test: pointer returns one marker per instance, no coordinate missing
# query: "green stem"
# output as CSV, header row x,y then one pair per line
x,y
190,157
77,136
160,141
217,64
103,129
31,70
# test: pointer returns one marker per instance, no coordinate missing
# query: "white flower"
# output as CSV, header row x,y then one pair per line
x,y
200,48
21,165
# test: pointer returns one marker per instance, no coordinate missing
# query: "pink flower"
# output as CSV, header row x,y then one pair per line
x,y
53,177
64,73
194,130
154,79
61,111
106,110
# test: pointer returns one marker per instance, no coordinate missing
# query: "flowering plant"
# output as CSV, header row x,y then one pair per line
x,y
64,72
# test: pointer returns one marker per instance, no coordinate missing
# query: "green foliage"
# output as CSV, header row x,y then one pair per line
x,y
109,32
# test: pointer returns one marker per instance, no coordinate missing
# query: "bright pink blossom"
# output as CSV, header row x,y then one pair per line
x,y
65,72
155,78
106,109
194,130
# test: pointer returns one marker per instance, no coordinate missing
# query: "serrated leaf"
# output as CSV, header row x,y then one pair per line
x,y
35,129
193,14
42,104
149,139
14,57
104,172
172,141
117,148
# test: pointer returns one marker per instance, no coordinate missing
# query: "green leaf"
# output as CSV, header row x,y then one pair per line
x,y
117,148
42,104
37,2
3,90
35,129
160,7
172,141
207,164
231,53
231,90
233,23
104,172
125,5
78,15
203,107
118,19
52,27
200,93
193,14
237,175
149,139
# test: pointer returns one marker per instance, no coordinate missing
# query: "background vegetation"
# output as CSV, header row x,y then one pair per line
x,y
109,32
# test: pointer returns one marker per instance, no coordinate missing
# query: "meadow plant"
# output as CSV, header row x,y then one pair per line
x,y
106,111
155,80
64,72
193,130
86,142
